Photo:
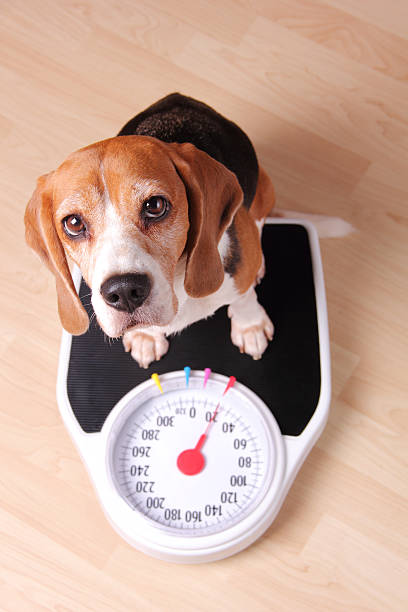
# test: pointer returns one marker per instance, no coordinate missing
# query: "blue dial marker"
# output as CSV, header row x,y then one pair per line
x,y
187,370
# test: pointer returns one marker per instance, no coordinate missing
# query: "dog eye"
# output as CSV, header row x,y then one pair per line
x,y
73,226
155,207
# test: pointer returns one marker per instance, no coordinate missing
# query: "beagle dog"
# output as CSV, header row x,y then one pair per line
x,y
164,222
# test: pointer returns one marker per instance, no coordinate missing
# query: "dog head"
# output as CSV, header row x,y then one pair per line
x,y
126,210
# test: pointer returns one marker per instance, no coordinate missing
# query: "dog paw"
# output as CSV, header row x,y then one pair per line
x,y
252,339
145,347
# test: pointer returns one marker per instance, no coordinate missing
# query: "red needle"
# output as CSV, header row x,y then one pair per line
x,y
192,461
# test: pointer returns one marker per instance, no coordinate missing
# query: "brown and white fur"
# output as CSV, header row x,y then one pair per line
x,y
186,254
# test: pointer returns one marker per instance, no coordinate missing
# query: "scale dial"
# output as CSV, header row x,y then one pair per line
x,y
195,467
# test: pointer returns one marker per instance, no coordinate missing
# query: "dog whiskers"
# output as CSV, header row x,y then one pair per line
x,y
108,339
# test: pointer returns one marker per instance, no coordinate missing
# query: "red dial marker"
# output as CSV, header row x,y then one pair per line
x,y
231,382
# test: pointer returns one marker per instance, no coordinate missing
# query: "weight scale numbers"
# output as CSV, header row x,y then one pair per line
x,y
208,498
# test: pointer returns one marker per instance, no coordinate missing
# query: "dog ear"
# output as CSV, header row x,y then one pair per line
x,y
42,237
214,195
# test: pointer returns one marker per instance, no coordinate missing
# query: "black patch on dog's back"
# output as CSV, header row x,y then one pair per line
x,y
177,118
234,251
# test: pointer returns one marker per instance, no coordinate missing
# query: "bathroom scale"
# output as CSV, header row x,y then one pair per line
x,y
193,457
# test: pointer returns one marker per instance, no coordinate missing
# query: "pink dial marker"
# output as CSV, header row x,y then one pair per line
x,y
207,373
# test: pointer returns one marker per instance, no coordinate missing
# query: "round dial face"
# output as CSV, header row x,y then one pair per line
x,y
191,460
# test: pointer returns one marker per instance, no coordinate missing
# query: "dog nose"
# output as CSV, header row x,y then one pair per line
x,y
126,291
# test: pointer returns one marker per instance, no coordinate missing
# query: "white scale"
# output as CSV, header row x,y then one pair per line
x,y
187,472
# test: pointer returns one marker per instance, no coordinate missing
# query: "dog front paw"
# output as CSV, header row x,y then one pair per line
x,y
145,347
252,339
251,328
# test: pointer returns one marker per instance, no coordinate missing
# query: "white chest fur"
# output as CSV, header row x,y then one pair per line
x,y
193,309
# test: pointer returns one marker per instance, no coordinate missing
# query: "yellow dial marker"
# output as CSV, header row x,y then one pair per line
x,y
156,379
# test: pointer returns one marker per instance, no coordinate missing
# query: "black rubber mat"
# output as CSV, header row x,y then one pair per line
x,y
287,377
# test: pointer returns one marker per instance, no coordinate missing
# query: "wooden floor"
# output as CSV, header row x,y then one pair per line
x,y
321,88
